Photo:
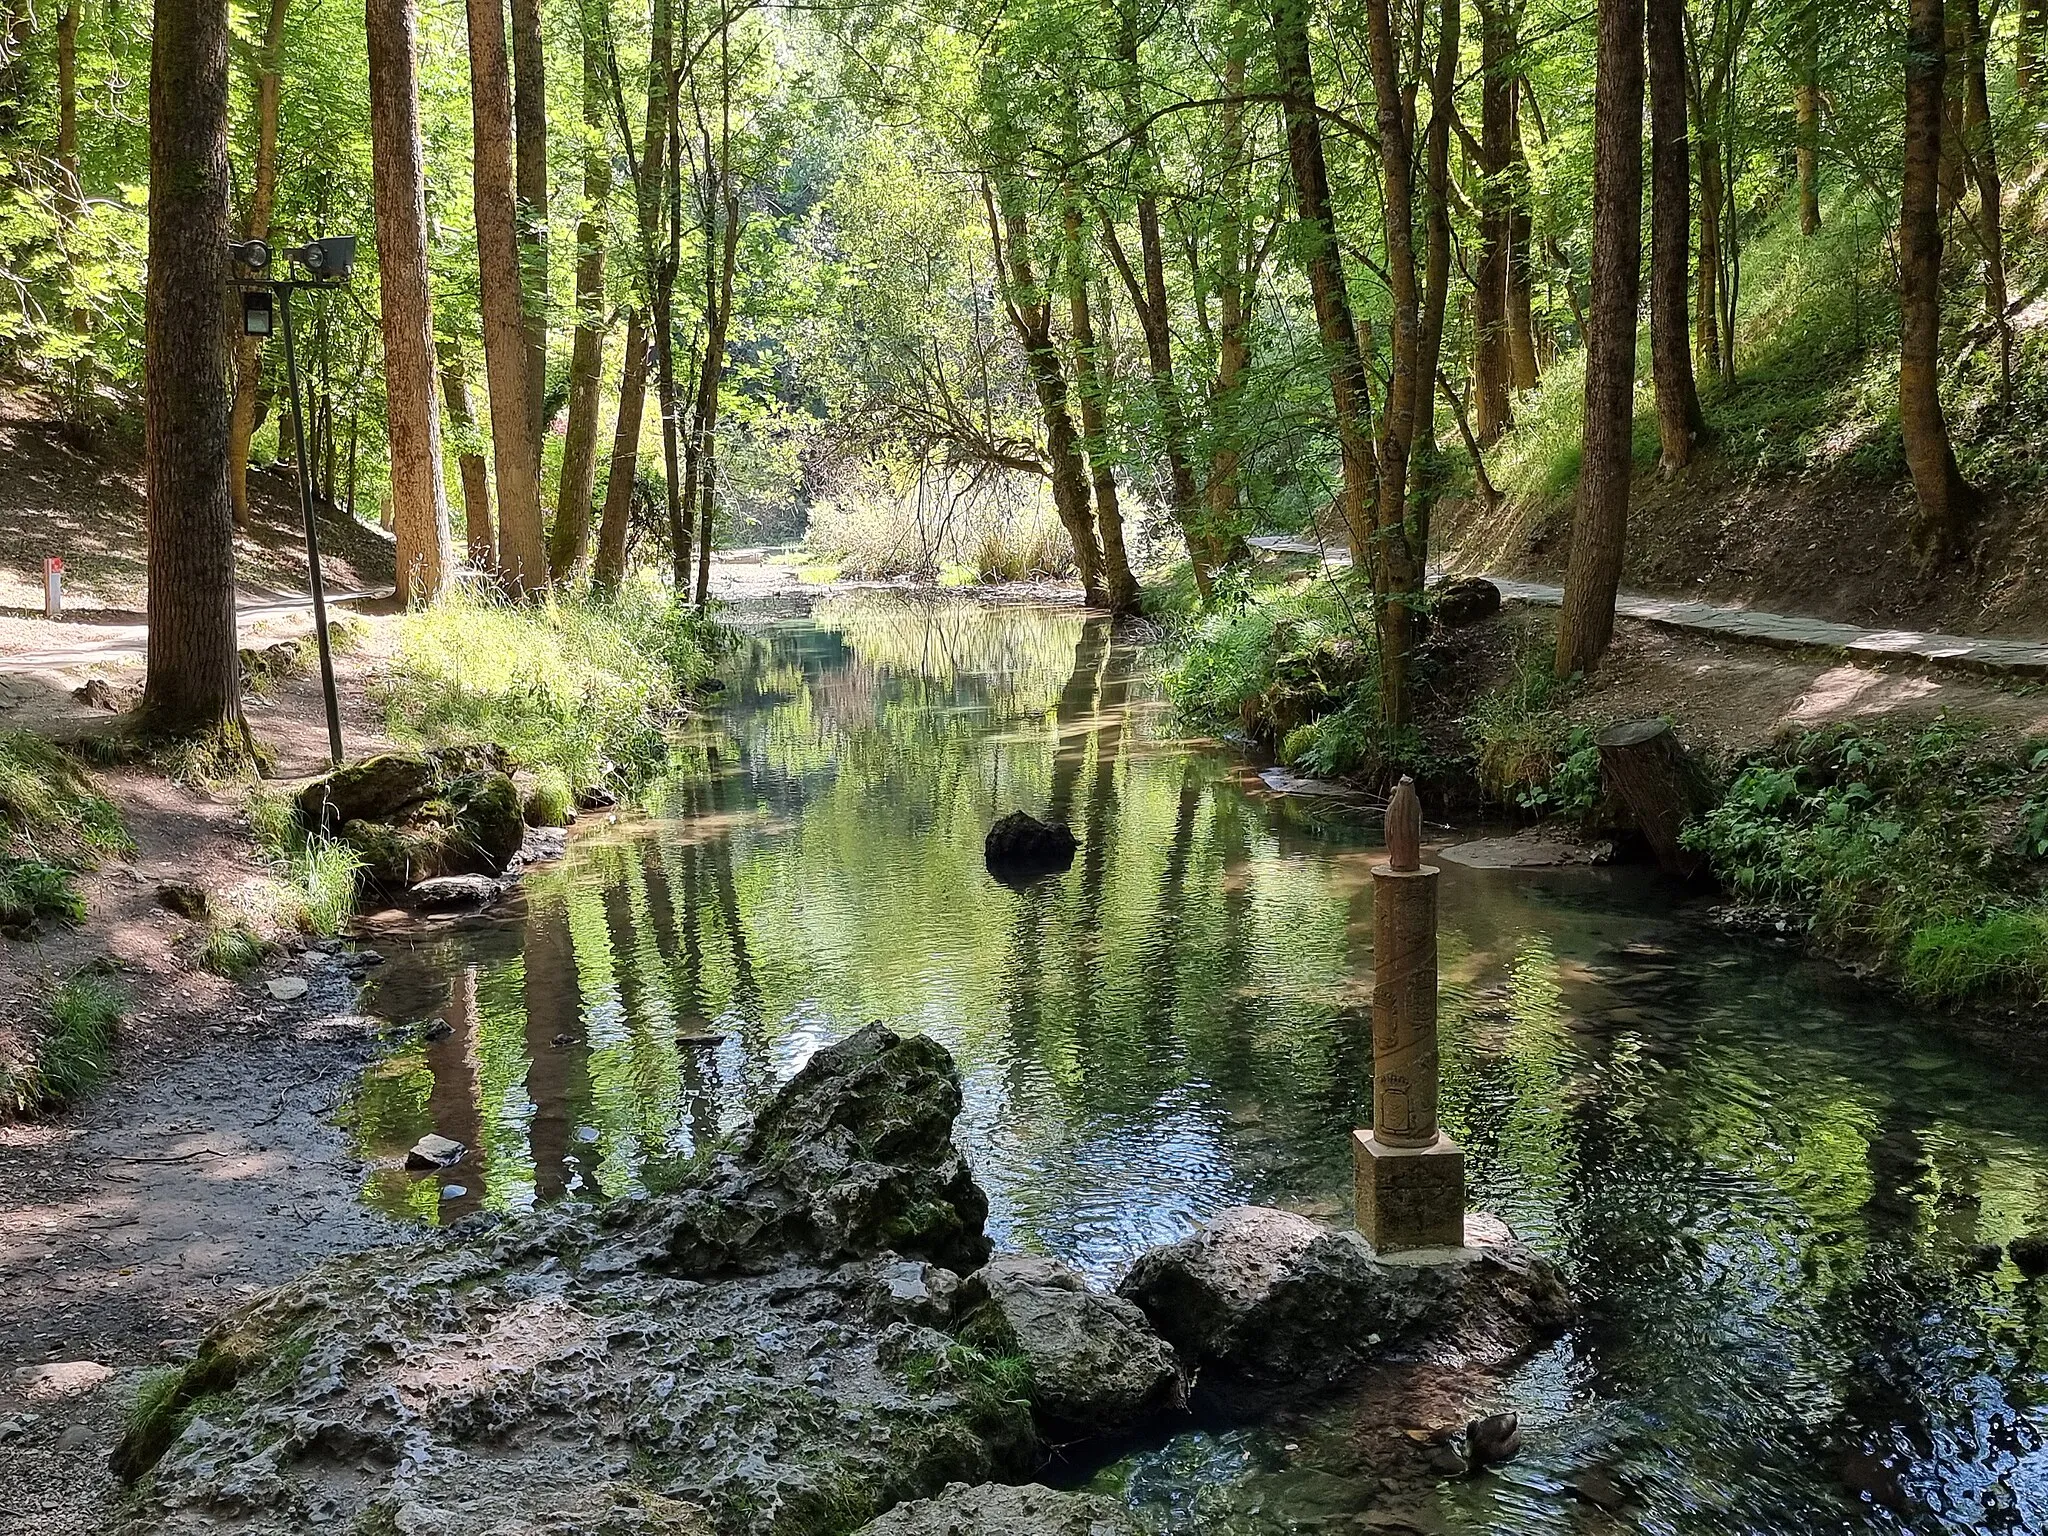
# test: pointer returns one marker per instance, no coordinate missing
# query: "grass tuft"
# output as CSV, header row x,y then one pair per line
x,y
75,1048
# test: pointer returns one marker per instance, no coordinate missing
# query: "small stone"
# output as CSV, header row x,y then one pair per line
x,y
1445,1461
76,1437
95,692
1497,1437
14,1428
363,960
184,898
286,988
453,1191
434,1151
446,892
2030,1253
595,797
437,1029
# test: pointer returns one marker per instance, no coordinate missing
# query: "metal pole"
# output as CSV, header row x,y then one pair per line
x,y
317,587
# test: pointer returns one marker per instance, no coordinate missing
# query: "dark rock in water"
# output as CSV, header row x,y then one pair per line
x,y
998,1509
1021,847
1265,1306
2030,1253
435,1151
1596,1485
1096,1365
417,816
1497,1437
1982,1259
1457,601
852,1158
595,797
453,892
184,898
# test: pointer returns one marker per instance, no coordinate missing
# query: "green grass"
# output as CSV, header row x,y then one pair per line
x,y
585,688
54,822
315,878
233,949
74,1048
32,891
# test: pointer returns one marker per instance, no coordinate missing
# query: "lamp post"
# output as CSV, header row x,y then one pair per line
x,y
327,264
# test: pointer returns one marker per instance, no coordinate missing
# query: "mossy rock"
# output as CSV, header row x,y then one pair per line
x,y
473,827
384,788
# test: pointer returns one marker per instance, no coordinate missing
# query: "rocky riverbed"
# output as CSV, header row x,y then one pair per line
x,y
806,1333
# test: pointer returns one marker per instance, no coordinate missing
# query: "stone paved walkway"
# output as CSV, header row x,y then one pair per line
x,y
2001,658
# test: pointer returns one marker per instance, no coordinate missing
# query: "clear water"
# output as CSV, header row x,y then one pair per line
x,y
1760,1180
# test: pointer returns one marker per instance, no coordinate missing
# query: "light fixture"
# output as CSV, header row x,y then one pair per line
x,y
257,315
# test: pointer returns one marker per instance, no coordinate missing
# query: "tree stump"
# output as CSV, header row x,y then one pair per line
x,y
1656,778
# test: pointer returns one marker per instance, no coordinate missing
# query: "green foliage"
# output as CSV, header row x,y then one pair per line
x,y
317,878
232,949
551,802
586,688
1529,754
31,890
74,1048
48,803
1220,664
1914,850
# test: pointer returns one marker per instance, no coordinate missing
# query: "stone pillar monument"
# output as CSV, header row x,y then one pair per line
x,y
1410,1176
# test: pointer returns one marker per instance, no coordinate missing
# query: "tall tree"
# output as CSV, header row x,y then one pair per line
x,y
1600,522
194,682
412,424
255,226
1946,499
571,533
515,447
1492,367
1979,147
530,127
1119,585
609,568
1521,236
2026,70
479,538
1806,109
1679,422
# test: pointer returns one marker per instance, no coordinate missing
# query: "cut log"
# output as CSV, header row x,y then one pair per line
x,y
1651,773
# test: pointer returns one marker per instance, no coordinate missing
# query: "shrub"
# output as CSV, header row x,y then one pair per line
x,y
1529,754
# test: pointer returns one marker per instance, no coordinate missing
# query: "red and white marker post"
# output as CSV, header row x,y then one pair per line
x,y
53,588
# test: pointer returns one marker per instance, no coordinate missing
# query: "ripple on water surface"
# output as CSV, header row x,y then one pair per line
x,y
1762,1182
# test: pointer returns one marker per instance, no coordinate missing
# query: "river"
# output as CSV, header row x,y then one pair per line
x,y
1762,1181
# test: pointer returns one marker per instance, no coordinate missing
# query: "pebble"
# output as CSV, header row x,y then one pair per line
x,y
434,1151
76,1437
1597,1487
16,1427
437,1029
287,988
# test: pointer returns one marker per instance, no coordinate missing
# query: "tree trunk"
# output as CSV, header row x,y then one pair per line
x,y
412,425
714,372
1120,587
1397,566
1707,296
1031,317
1649,770
522,553
1679,422
194,683
478,536
1491,365
1521,235
571,534
1980,156
610,567
1321,260
1233,296
1436,277
530,124
1946,499
1600,525
1806,108
262,199
2026,69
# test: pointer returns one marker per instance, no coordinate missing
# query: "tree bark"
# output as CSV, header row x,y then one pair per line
x,y
262,199
1600,525
1491,364
1521,235
522,552
1806,109
1707,295
530,124
1031,318
412,425
1350,400
2026,69
1980,156
1946,499
478,536
1436,277
1679,422
1234,276
1120,587
1647,767
609,570
571,533
194,682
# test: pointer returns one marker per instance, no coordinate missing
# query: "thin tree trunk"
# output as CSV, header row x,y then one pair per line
x,y
1679,422
1397,567
1707,295
571,534
530,124
412,425
1233,296
1120,586
68,190
262,199
1436,277
1521,235
1946,499
609,569
2026,69
1491,364
1806,108
193,687
1489,493
1031,317
1980,155
1350,401
481,541
714,352
1600,525
522,551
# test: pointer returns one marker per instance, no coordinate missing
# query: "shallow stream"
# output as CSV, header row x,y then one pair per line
x,y
1762,1181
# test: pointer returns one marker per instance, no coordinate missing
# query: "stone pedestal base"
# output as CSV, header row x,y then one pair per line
x,y
1409,1197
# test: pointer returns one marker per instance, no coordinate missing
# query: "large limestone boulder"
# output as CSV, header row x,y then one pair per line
x,y
1096,1364
1265,1306
997,1509
416,817
647,1367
